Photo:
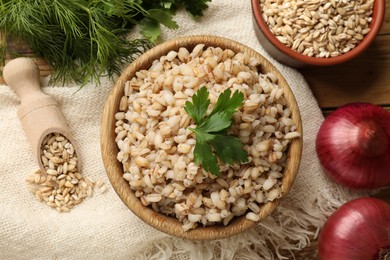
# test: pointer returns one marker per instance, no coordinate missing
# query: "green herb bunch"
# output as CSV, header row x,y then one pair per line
x,y
212,139
86,39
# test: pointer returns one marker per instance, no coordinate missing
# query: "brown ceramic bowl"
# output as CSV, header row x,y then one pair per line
x,y
287,56
114,168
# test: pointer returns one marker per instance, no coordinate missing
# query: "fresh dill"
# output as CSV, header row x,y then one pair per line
x,y
86,39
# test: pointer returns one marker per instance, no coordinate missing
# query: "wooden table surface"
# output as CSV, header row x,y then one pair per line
x,y
364,79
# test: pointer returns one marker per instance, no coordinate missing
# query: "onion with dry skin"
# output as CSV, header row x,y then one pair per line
x,y
353,145
358,230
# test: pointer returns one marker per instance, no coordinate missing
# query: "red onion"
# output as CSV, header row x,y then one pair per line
x,y
353,145
358,230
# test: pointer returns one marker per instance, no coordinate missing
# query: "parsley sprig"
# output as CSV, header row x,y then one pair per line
x,y
212,140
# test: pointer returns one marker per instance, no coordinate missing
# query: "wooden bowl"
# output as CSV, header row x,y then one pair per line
x,y
287,56
114,168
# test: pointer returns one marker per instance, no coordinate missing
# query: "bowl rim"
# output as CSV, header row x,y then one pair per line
x,y
114,170
375,26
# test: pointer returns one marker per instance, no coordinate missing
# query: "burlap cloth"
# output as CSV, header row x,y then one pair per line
x,y
102,227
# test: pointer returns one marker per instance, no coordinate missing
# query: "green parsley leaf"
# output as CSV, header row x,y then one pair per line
x,y
210,133
164,17
216,123
150,29
229,148
227,104
195,7
220,118
204,155
198,108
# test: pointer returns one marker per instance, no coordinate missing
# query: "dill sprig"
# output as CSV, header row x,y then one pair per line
x,y
86,39
77,38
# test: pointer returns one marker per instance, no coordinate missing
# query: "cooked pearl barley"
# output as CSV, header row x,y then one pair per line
x,y
291,135
252,216
156,145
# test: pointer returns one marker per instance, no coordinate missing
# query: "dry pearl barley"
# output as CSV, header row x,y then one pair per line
x,y
60,186
305,25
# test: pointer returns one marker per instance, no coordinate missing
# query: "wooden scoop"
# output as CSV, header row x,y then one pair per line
x,y
38,112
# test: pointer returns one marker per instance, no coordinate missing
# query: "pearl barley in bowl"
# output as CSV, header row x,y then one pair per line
x,y
302,33
201,137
